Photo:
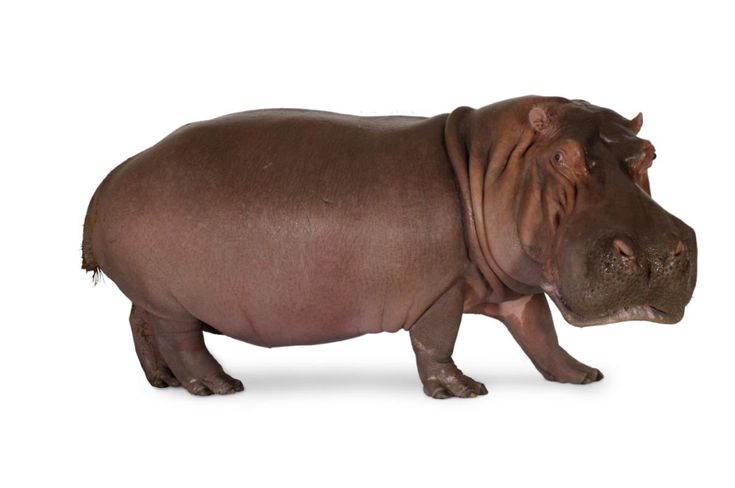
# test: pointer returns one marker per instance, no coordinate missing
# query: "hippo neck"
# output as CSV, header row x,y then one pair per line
x,y
488,165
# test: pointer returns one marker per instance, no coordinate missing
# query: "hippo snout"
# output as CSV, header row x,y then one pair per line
x,y
630,278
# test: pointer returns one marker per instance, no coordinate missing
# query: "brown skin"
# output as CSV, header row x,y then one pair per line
x,y
283,227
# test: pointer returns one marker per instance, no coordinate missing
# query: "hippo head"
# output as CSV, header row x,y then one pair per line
x,y
560,200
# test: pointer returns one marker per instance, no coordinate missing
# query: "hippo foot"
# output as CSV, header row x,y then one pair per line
x,y
201,375
219,384
448,381
563,368
161,377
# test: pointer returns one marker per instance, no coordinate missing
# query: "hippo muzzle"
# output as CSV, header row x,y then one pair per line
x,y
617,278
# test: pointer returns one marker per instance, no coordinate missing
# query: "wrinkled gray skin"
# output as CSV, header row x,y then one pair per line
x,y
283,227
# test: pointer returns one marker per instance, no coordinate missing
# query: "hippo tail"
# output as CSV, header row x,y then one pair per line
x,y
89,261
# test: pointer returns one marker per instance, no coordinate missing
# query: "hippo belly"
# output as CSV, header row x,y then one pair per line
x,y
286,227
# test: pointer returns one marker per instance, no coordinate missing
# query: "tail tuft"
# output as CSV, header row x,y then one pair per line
x,y
91,266
89,263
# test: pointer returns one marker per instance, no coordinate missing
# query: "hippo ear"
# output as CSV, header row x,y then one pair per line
x,y
540,119
636,123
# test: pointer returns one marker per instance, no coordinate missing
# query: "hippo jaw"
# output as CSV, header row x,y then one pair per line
x,y
602,273
626,313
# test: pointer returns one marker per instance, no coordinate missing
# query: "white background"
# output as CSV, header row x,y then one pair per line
x,y
84,86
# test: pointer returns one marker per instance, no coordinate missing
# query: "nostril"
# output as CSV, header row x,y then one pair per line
x,y
680,248
623,248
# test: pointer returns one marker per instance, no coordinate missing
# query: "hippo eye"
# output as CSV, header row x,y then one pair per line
x,y
654,156
558,157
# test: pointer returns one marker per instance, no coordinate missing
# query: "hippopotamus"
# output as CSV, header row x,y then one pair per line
x,y
293,227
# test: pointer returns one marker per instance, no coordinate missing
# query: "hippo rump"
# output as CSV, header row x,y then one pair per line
x,y
285,227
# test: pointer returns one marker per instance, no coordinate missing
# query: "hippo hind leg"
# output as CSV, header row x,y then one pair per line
x,y
173,353
154,366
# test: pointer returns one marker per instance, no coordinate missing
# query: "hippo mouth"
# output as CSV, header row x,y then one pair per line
x,y
648,313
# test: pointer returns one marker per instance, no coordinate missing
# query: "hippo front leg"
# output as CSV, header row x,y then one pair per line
x,y
432,338
529,321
